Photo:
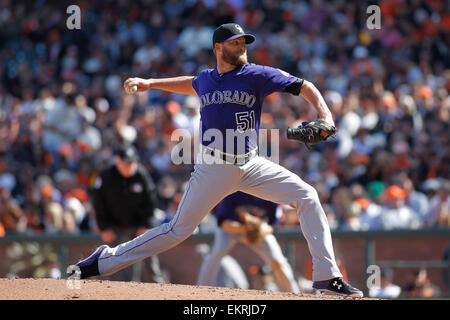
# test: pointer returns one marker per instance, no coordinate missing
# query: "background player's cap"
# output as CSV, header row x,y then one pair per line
x,y
127,153
231,31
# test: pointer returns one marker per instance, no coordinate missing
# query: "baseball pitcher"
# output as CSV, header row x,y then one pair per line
x,y
232,95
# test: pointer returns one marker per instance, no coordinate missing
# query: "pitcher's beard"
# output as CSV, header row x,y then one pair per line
x,y
235,60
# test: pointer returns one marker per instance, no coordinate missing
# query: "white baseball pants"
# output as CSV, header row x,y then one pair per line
x,y
208,185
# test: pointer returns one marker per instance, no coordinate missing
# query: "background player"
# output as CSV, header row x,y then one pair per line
x,y
231,215
232,95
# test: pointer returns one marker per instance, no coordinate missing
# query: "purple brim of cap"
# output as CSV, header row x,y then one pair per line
x,y
249,38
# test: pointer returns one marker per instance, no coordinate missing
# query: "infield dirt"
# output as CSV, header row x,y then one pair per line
x,y
58,289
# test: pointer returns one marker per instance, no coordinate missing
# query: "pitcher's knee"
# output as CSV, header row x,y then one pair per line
x,y
183,233
178,233
307,197
311,193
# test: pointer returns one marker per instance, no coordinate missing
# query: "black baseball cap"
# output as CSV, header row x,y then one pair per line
x,y
127,153
231,31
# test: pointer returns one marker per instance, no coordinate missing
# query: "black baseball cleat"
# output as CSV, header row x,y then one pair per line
x,y
337,286
89,266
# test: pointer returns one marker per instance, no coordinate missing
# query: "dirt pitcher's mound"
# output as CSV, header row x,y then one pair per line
x,y
50,289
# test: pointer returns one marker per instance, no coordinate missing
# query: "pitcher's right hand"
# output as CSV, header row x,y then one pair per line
x,y
141,84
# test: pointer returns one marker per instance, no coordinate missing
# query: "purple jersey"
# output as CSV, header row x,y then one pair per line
x,y
233,100
229,208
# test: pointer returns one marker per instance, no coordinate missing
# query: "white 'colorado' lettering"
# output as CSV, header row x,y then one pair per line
x,y
235,97
227,96
217,97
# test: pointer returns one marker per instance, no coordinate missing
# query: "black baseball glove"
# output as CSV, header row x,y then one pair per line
x,y
311,132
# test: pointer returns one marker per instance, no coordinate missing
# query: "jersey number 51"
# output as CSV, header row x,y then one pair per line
x,y
245,120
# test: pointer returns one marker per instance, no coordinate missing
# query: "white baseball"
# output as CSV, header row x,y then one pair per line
x,y
131,90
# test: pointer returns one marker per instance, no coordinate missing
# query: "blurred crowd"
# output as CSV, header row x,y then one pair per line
x,y
63,110
418,286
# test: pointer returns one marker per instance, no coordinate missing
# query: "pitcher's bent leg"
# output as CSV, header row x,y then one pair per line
x,y
208,185
270,181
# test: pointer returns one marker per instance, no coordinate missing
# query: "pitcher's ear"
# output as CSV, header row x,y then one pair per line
x,y
216,45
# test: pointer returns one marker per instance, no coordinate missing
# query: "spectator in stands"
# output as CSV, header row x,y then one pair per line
x,y
53,217
417,200
387,289
62,126
195,37
420,286
341,200
74,215
439,212
352,221
192,106
45,195
396,214
371,208
12,218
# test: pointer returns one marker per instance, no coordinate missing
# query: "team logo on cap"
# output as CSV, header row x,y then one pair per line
x,y
238,27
